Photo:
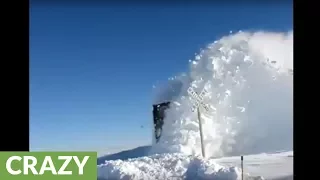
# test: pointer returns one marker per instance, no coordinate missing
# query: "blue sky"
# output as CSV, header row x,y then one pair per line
x,y
92,67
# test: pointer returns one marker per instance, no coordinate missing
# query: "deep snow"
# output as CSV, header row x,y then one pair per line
x,y
271,166
249,77
276,166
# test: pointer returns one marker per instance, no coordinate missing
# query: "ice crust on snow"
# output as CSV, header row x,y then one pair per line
x,y
249,77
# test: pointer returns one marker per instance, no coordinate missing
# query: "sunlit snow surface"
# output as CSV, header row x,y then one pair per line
x,y
249,77
277,166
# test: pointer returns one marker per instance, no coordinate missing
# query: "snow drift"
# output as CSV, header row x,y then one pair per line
x,y
174,166
167,166
249,77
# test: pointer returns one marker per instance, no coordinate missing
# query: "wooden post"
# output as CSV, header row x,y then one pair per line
x,y
201,133
242,167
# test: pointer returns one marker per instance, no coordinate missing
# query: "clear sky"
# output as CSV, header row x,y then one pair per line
x,y
92,66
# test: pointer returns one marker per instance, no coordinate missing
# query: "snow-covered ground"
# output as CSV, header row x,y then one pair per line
x,y
271,166
274,166
249,80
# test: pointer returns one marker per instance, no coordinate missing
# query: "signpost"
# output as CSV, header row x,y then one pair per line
x,y
196,105
241,167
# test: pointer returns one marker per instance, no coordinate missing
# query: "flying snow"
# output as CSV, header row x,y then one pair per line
x,y
249,80
249,77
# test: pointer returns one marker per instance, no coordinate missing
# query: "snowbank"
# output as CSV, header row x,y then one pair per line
x,y
249,77
269,166
167,166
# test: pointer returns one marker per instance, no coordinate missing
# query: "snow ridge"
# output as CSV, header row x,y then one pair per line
x,y
167,166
